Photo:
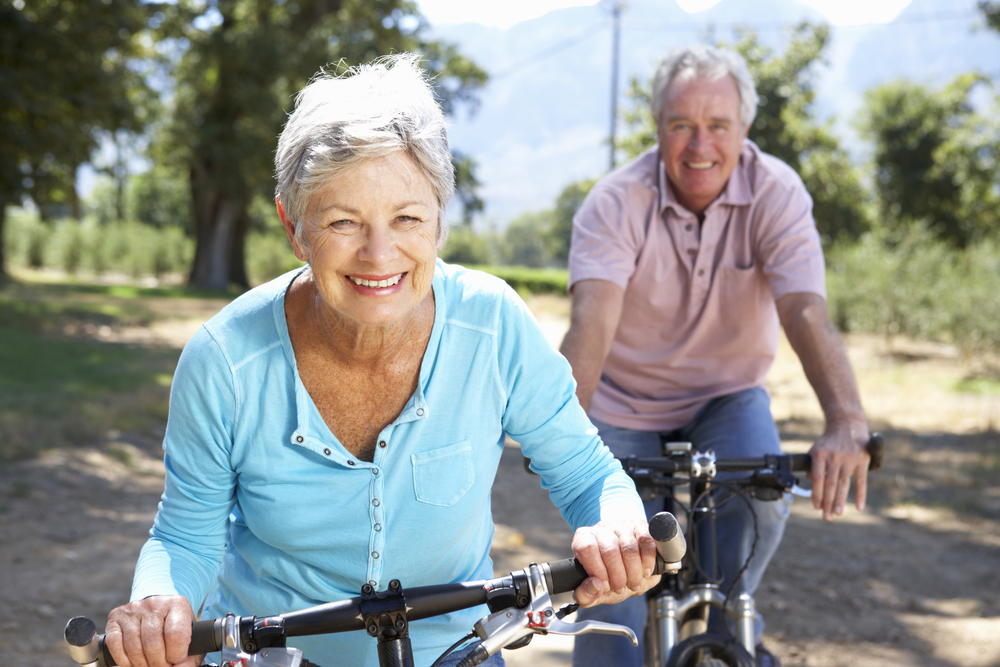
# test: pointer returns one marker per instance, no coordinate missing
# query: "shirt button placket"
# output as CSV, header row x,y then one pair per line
x,y
377,532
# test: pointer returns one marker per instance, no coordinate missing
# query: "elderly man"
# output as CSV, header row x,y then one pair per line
x,y
683,263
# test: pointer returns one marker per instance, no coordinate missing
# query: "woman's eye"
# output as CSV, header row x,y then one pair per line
x,y
340,223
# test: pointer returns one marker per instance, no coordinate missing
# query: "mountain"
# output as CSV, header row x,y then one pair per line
x,y
544,118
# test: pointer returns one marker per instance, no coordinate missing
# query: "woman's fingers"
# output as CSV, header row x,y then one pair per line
x,y
619,556
154,632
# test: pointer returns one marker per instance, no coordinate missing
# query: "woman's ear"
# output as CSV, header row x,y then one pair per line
x,y
290,231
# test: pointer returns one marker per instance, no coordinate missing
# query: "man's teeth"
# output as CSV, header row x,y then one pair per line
x,y
700,165
376,283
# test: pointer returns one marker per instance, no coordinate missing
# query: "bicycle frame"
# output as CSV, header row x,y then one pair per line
x,y
669,607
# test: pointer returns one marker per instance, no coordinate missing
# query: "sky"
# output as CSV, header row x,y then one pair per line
x,y
505,13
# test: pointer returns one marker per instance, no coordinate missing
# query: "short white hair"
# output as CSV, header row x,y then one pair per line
x,y
709,63
370,111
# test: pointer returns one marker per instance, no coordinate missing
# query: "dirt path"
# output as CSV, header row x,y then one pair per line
x,y
914,580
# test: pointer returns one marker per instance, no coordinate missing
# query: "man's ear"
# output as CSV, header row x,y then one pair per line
x,y
290,231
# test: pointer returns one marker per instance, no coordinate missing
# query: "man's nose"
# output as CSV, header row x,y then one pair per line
x,y
698,140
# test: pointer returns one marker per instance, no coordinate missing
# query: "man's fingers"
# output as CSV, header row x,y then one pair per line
x,y
861,486
843,488
818,478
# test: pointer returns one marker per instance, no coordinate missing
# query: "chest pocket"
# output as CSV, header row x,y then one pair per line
x,y
442,476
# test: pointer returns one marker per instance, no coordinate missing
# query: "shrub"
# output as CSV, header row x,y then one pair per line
x,y
918,286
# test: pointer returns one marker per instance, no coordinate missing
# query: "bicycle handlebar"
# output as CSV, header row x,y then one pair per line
x,y
795,462
208,636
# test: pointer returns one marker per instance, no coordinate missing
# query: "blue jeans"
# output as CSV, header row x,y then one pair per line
x,y
738,424
495,660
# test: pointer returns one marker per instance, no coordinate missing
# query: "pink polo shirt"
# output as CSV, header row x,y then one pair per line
x,y
699,319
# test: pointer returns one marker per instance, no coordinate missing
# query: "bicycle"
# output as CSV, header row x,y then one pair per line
x,y
519,603
676,632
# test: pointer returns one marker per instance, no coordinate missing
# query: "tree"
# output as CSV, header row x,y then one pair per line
x,y
785,127
64,75
935,158
235,84
467,187
991,12
560,231
525,240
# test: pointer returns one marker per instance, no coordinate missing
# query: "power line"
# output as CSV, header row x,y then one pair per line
x,y
676,26
546,53
690,26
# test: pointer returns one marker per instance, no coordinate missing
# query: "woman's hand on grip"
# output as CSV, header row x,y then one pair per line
x,y
153,632
620,556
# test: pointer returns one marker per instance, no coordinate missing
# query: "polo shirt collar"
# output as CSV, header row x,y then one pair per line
x,y
736,193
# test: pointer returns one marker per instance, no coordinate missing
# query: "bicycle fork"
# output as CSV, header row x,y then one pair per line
x,y
668,613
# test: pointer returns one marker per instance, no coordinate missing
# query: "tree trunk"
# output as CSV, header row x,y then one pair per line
x,y
221,221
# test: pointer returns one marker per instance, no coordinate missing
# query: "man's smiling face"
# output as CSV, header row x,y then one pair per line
x,y
701,138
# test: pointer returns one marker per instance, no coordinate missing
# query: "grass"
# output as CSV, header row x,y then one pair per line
x,y
60,384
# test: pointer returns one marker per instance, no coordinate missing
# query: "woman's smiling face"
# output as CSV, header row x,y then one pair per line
x,y
370,237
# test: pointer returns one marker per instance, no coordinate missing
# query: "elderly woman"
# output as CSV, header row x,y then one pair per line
x,y
342,424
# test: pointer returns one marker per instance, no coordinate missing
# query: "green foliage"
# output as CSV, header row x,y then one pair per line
x,y
919,286
466,247
638,119
561,230
528,279
784,127
525,242
269,254
936,161
161,197
991,12
467,187
89,247
65,68
235,84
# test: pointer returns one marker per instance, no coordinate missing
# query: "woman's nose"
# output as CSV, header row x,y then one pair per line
x,y
380,245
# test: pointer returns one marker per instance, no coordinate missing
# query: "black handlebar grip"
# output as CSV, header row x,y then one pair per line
x,y
876,448
670,542
799,462
206,637
566,575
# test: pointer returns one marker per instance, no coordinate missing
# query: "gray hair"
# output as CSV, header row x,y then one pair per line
x,y
709,63
370,111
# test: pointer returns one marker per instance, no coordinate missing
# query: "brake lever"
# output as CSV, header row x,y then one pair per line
x,y
797,490
508,626
233,654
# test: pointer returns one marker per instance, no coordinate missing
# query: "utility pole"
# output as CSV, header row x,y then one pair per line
x,y
616,13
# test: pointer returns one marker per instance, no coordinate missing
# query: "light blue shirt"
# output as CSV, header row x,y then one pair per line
x,y
265,512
